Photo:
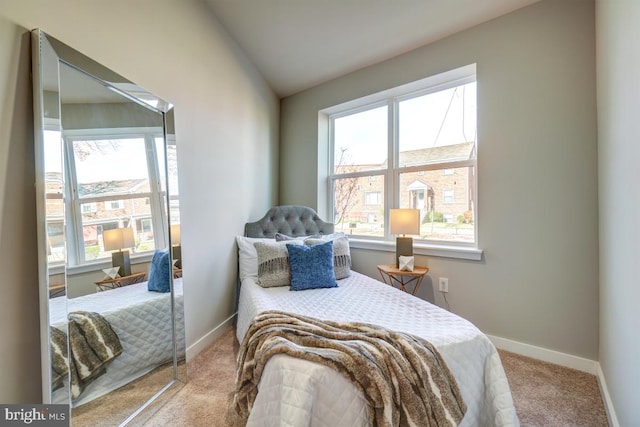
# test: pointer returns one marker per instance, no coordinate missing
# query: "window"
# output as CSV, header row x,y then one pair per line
x,y
447,196
111,185
88,208
372,198
112,205
409,147
146,225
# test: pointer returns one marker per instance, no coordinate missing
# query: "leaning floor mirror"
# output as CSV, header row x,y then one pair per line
x,y
111,295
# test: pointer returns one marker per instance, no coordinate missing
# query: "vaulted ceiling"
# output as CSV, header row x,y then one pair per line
x,y
297,44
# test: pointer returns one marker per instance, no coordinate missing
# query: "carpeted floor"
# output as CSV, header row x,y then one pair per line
x,y
115,407
204,400
544,394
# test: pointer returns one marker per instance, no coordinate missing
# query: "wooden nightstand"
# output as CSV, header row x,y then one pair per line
x,y
57,290
393,276
119,282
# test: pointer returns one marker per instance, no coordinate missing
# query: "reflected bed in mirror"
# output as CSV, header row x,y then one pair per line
x,y
107,208
142,324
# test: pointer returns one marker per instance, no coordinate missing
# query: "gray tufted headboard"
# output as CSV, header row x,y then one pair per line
x,y
292,220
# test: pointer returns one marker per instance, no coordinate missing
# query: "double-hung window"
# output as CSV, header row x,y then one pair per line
x,y
410,147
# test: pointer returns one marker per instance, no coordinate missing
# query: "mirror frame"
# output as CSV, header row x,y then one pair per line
x,y
46,50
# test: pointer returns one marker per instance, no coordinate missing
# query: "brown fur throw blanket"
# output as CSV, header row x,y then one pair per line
x,y
403,378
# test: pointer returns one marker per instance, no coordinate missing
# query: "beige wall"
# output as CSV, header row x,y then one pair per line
x,y
619,176
224,110
538,280
20,336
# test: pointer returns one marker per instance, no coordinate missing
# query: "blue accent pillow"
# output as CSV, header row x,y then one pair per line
x,y
311,266
160,272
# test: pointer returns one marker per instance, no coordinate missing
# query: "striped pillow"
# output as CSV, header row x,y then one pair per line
x,y
273,263
341,255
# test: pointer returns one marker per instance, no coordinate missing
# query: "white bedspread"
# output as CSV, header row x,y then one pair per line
x,y
295,392
142,320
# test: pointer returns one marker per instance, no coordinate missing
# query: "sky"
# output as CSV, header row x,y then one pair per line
x,y
424,123
124,159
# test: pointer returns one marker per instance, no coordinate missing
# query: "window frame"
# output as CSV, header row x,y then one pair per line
x,y
391,194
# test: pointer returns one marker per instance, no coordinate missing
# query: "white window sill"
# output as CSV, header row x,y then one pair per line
x,y
456,252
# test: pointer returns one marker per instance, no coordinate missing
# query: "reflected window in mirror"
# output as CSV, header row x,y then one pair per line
x,y
54,196
115,183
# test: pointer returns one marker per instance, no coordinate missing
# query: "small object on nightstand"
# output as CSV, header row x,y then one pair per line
x,y
391,275
405,263
111,273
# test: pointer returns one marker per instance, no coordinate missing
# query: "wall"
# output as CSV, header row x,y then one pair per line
x,y
227,136
537,177
618,154
20,339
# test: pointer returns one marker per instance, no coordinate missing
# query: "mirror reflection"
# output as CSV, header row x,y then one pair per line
x,y
110,224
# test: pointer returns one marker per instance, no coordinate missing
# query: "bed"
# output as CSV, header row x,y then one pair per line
x,y
299,392
142,321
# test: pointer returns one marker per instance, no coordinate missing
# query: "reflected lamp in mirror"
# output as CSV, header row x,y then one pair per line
x,y
176,248
118,239
404,221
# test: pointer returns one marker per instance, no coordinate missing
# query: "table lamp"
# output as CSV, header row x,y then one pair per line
x,y
404,221
175,242
115,240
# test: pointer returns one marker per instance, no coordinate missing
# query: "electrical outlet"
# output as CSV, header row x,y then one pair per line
x,y
444,284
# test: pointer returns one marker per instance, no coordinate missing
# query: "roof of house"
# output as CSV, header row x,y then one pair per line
x,y
448,153
425,156
103,188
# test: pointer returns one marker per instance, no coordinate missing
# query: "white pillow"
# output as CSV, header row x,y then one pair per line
x,y
286,238
247,255
331,236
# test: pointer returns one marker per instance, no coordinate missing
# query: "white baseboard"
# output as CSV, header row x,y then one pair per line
x,y
551,356
209,337
606,398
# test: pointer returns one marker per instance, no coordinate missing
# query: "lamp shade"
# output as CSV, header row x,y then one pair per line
x,y
404,221
175,234
118,238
